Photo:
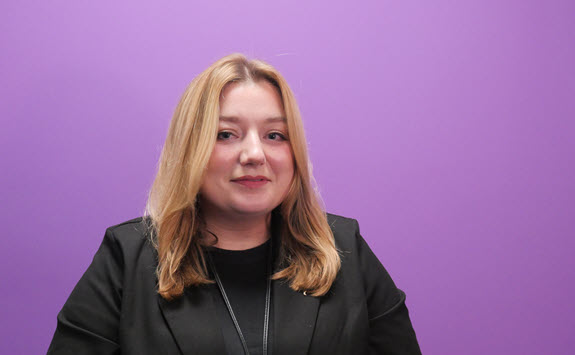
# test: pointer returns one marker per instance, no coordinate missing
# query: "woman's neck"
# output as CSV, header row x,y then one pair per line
x,y
239,234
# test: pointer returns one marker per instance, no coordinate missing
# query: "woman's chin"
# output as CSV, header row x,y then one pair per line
x,y
248,211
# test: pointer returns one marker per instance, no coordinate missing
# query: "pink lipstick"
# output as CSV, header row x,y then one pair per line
x,y
251,181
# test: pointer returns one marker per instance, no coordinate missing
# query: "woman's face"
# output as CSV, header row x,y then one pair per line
x,y
251,166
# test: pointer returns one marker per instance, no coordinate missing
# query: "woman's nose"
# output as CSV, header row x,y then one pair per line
x,y
252,151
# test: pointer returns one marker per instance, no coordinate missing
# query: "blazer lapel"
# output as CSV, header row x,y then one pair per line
x,y
193,322
293,319
294,315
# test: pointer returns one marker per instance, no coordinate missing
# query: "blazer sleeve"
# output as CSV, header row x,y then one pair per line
x,y
89,321
390,329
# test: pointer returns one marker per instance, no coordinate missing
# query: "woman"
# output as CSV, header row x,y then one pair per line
x,y
231,209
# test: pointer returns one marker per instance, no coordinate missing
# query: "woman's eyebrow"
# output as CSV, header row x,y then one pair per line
x,y
234,119
276,119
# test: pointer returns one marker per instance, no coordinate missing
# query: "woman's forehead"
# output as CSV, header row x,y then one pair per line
x,y
259,101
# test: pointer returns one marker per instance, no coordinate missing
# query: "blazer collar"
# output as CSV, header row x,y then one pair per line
x,y
293,319
294,315
193,320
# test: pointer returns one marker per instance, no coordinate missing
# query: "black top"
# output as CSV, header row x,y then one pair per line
x,y
243,274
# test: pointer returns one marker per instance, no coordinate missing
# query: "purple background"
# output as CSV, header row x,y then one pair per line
x,y
445,127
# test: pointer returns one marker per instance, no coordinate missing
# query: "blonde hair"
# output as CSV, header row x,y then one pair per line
x,y
307,252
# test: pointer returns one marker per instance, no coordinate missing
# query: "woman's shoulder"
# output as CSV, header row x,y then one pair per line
x,y
345,231
136,225
349,240
131,234
337,222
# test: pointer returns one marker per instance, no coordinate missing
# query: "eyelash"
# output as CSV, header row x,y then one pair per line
x,y
223,132
282,136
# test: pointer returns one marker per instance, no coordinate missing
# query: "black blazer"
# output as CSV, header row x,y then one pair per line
x,y
115,308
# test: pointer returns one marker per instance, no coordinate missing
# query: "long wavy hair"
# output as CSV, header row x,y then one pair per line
x,y
307,253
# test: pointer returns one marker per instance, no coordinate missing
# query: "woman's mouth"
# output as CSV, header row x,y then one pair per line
x,y
252,181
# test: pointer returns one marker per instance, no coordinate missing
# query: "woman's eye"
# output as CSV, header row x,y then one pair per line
x,y
224,135
276,136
